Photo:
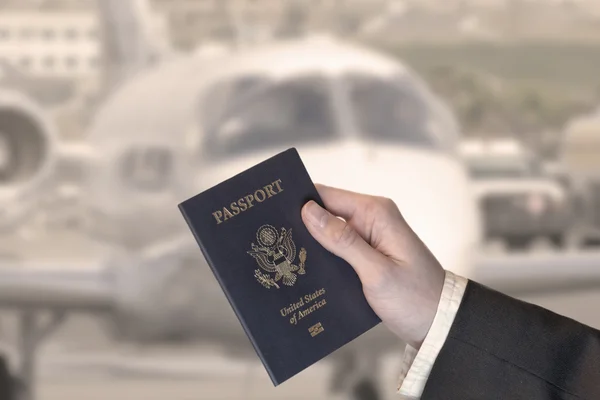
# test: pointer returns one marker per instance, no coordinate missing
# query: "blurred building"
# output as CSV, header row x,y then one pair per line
x,y
191,21
52,44
47,4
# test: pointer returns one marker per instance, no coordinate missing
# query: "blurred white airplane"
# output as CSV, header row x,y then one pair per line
x,y
359,119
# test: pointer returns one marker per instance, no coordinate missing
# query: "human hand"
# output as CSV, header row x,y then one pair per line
x,y
401,279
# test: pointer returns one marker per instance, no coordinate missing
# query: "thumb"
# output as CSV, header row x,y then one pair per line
x,y
341,239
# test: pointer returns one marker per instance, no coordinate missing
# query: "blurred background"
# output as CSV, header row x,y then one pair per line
x,y
480,118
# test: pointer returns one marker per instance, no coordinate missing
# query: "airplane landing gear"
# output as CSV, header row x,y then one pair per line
x,y
356,377
32,331
365,390
7,386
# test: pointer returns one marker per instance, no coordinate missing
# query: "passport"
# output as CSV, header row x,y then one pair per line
x,y
296,301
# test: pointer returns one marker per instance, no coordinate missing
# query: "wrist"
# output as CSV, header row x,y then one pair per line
x,y
428,306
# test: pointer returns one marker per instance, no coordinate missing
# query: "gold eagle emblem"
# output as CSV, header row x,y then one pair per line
x,y
275,253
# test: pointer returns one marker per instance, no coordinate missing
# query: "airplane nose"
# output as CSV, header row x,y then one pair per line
x,y
431,190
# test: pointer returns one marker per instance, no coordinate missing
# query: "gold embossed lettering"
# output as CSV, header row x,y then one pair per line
x,y
258,194
246,202
218,215
249,199
278,184
269,190
226,214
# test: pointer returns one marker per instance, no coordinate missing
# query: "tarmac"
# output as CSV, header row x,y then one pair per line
x,y
186,373
71,370
81,362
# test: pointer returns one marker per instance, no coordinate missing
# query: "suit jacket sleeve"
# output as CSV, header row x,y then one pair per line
x,y
502,348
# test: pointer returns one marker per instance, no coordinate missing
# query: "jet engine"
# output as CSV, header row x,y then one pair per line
x,y
27,156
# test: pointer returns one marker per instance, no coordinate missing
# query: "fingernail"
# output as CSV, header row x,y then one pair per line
x,y
316,214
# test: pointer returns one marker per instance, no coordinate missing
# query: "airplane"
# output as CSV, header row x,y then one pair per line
x,y
360,120
204,134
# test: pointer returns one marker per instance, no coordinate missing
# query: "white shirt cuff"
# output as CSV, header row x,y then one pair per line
x,y
417,364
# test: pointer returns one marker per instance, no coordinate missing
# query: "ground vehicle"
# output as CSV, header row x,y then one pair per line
x,y
579,155
518,204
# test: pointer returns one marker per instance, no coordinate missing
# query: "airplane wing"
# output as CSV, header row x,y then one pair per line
x,y
121,287
56,286
538,273
97,284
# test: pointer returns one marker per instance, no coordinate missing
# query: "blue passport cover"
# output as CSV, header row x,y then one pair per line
x,y
296,301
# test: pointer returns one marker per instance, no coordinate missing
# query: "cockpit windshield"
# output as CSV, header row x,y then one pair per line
x,y
395,110
272,114
253,113
223,96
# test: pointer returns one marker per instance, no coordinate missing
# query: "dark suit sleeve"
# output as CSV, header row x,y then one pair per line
x,y
502,348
